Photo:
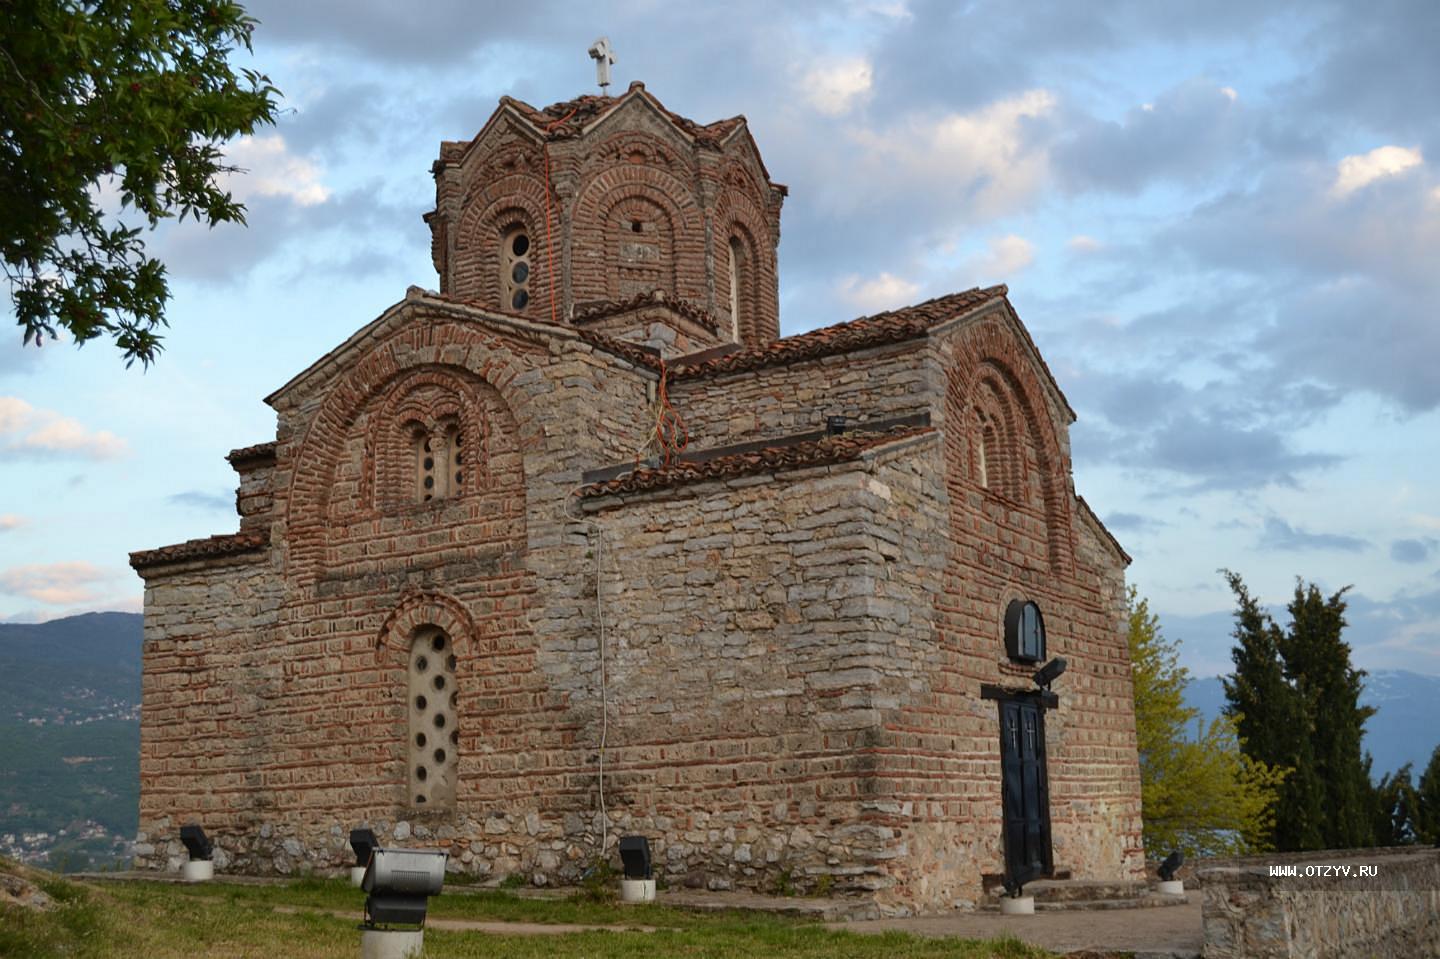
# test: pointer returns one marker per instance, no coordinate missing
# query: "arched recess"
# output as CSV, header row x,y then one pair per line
x,y
738,216
338,447
418,608
603,224
492,213
997,449
424,651
742,286
992,378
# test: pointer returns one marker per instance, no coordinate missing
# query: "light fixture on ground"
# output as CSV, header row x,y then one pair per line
x,y
638,884
400,883
200,866
1015,902
363,842
1169,885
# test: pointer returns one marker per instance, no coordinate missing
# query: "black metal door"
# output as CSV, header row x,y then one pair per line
x,y
1024,791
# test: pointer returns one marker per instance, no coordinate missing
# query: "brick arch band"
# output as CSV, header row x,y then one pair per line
x,y
419,608
601,195
388,449
464,350
990,354
517,199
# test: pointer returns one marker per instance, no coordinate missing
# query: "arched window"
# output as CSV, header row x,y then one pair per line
x,y
434,735
736,254
515,269
439,457
1024,632
988,455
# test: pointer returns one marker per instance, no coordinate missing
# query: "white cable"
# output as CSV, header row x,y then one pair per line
x,y
604,689
599,533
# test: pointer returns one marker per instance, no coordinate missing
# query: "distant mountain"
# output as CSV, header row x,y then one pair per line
x,y
77,667
70,739
1404,729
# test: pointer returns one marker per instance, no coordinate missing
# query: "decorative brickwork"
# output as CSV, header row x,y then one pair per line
x,y
454,577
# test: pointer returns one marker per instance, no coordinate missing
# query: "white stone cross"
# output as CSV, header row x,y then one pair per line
x,y
603,56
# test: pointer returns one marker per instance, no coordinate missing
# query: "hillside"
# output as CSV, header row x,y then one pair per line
x,y
70,739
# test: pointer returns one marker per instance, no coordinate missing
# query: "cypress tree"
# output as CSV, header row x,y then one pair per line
x,y
1427,802
1395,809
1317,664
1272,721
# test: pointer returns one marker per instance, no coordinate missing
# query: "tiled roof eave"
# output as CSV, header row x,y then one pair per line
x,y
829,451
213,547
895,326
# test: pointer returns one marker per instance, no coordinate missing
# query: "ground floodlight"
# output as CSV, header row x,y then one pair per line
x,y
199,868
363,842
1050,672
835,425
638,884
197,845
635,857
1172,863
400,881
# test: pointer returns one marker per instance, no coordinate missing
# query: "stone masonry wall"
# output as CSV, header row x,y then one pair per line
x,y
206,677
753,632
771,402
1392,914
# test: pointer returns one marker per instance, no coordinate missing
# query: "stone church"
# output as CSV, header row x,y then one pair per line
x,y
581,546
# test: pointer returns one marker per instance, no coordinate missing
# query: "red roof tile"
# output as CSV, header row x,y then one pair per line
x,y
599,310
831,449
894,326
567,118
228,544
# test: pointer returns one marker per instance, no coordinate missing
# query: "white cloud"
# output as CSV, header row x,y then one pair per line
x,y
837,88
57,584
1231,93
1080,243
29,432
884,292
1006,256
1363,169
270,169
983,158
9,521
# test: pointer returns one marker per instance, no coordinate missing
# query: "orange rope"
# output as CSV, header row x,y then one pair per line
x,y
549,237
669,436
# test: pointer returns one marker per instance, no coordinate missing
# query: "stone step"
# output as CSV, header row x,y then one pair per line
x,y
1071,890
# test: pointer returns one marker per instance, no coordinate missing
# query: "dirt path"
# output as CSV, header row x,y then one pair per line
x,y
1171,931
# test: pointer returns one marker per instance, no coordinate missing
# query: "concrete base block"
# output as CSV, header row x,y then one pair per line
x,y
357,875
198,870
392,943
1017,906
637,890
1170,887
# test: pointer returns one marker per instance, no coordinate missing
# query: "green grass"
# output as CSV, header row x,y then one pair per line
x,y
164,921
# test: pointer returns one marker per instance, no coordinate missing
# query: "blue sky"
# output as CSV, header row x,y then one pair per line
x,y
1220,221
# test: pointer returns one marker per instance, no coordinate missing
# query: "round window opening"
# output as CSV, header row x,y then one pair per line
x,y
1024,632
